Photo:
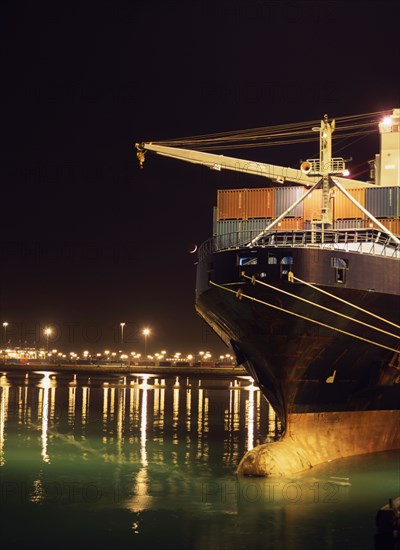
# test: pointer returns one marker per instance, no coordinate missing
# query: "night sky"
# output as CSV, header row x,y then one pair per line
x,y
88,240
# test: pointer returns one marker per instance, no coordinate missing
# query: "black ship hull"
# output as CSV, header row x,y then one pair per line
x,y
312,355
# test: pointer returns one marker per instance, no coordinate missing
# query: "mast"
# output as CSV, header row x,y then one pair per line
x,y
325,153
325,167
322,168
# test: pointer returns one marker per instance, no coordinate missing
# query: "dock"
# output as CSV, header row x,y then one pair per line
x,y
93,369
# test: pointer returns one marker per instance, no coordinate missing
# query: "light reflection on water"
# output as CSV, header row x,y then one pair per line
x,y
145,461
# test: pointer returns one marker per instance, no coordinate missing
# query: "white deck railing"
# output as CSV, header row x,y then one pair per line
x,y
363,241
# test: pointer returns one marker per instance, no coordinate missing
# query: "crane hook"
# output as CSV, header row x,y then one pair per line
x,y
140,156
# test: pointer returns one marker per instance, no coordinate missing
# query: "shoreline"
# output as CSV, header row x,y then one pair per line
x,y
219,372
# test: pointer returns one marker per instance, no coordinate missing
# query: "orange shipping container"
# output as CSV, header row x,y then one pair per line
x,y
231,204
313,205
241,204
260,203
343,208
393,224
290,223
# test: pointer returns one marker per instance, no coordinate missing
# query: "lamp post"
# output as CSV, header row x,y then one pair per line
x,y
122,334
47,332
146,332
5,325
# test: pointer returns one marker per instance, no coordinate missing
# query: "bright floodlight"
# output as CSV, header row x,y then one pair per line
x,y
387,121
146,331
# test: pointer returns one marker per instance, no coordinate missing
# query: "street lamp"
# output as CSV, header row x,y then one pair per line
x,y
5,325
146,332
47,332
122,333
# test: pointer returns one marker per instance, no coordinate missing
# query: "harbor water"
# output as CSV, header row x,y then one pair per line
x,y
148,461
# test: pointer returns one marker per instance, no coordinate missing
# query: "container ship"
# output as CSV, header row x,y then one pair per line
x,y
301,280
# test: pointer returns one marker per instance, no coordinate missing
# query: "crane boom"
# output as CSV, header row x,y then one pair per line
x,y
314,173
221,162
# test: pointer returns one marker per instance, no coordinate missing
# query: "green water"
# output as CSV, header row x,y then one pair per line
x,y
133,462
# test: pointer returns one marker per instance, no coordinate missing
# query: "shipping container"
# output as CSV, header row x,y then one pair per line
x,y
284,197
260,203
392,224
254,227
231,204
268,203
343,208
350,224
257,225
234,204
226,241
232,233
235,233
383,202
215,220
224,227
312,205
290,223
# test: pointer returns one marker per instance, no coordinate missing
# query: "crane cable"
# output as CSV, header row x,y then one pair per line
x,y
239,294
213,146
265,130
254,281
360,124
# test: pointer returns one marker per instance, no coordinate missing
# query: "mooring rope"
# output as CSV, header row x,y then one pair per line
x,y
254,280
345,302
239,294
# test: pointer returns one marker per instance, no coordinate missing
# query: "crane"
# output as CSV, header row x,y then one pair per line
x,y
213,161
324,172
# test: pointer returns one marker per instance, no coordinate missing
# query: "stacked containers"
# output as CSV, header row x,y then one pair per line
x,y
231,204
383,202
290,223
312,205
350,224
284,198
260,203
343,208
255,208
392,224
235,232
245,203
